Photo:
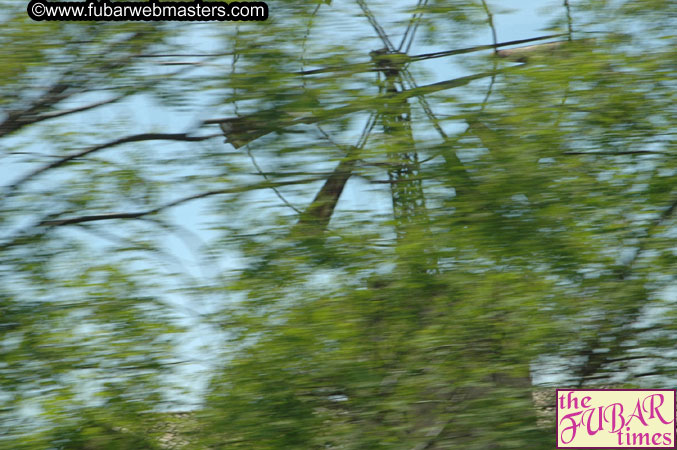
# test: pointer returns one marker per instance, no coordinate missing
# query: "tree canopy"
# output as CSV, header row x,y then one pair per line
x,y
411,229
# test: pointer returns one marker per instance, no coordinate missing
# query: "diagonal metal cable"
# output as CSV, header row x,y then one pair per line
x,y
566,90
372,20
361,141
424,102
413,33
265,177
408,77
460,51
373,118
369,67
413,23
279,195
570,25
320,211
490,21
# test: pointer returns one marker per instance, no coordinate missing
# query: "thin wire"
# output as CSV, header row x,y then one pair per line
x,y
414,18
566,90
409,25
368,66
381,33
373,118
489,91
426,106
413,33
249,151
490,21
265,177
370,122
233,67
364,136
305,40
461,51
330,139
569,20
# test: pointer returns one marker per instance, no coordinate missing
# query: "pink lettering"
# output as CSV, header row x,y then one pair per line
x,y
571,428
617,420
653,408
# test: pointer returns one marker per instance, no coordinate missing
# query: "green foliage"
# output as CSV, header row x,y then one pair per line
x,y
537,240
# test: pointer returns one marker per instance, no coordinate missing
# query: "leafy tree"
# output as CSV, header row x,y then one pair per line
x,y
534,240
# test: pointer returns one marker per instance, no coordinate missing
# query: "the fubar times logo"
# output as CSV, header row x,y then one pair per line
x,y
616,418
